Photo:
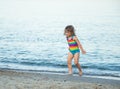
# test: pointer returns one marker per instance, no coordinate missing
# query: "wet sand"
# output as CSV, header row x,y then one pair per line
x,y
11,79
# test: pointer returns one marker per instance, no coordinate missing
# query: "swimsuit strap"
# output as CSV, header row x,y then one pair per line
x,y
71,37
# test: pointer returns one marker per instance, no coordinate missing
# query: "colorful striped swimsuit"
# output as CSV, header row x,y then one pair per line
x,y
73,46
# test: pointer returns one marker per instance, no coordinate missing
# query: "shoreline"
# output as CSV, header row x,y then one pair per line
x,y
11,79
44,72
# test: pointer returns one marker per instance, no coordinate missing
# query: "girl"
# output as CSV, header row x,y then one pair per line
x,y
74,48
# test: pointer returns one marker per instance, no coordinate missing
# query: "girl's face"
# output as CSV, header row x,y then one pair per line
x,y
68,34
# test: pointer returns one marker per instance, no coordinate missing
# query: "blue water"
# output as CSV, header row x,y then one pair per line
x,y
31,35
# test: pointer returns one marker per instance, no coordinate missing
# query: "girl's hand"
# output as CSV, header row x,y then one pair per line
x,y
83,52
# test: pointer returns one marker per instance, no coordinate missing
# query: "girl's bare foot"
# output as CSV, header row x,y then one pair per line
x,y
70,73
80,73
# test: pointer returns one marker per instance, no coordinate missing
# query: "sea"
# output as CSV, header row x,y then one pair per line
x,y
32,35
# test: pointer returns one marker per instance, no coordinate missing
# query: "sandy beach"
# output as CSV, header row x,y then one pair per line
x,y
11,79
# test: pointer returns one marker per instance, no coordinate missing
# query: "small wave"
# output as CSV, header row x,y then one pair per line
x,y
52,65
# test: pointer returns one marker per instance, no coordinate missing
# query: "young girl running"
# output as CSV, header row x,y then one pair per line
x,y
74,48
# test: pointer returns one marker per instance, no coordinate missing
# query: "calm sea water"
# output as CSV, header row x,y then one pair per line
x,y
31,35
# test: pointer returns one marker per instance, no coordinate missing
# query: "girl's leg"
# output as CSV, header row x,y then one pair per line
x,y
76,61
69,60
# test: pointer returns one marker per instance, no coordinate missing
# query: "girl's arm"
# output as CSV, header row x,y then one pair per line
x,y
79,45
